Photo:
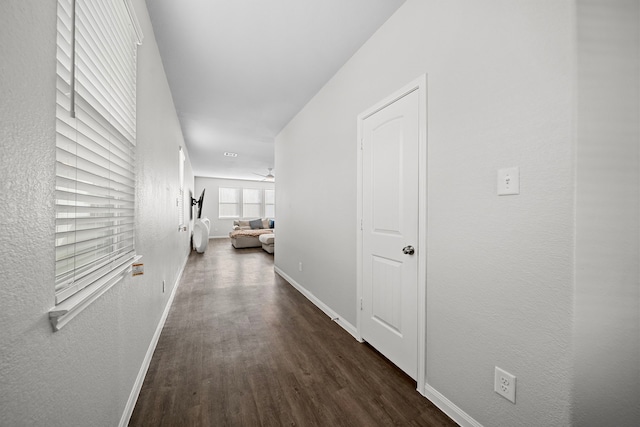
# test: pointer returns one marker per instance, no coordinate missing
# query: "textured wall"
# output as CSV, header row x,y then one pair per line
x,y
221,227
83,374
607,327
500,271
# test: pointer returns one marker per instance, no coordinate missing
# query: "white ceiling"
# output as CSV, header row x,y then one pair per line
x,y
239,70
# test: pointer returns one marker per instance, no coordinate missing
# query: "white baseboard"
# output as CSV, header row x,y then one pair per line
x,y
322,306
218,237
137,386
449,408
444,404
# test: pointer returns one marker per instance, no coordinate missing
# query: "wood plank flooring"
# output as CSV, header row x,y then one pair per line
x,y
242,347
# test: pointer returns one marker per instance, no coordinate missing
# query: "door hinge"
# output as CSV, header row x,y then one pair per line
x,y
361,228
360,303
361,144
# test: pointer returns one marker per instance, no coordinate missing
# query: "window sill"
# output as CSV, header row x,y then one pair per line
x,y
62,313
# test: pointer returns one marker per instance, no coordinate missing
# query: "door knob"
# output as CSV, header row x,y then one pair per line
x,y
408,250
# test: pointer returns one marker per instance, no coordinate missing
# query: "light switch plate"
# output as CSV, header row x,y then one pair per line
x,y
508,181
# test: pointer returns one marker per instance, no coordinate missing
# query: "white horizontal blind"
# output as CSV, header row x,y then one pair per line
x,y
251,203
95,143
229,203
246,203
269,203
180,203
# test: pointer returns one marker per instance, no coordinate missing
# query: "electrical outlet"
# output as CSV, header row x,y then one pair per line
x,y
300,266
163,286
505,384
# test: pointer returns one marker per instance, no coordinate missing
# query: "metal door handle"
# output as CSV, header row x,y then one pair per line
x,y
408,250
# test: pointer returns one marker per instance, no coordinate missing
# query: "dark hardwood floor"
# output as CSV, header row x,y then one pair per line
x,y
242,347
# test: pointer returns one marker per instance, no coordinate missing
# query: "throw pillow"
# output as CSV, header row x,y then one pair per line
x,y
255,224
272,223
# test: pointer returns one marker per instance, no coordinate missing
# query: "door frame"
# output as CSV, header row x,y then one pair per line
x,y
419,85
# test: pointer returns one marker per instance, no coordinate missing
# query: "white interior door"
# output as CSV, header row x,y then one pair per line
x,y
390,165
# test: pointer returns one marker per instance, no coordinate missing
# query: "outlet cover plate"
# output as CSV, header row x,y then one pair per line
x,y
505,384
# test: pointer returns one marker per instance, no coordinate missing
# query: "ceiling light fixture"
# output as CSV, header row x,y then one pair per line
x,y
229,154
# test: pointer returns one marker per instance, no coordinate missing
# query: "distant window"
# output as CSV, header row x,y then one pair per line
x,y
229,203
180,203
246,203
269,203
251,202
95,145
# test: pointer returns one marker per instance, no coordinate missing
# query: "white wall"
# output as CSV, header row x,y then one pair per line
x,y
221,227
607,327
83,374
500,269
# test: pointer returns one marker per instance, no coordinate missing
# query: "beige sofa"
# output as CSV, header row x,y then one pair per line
x,y
243,236
268,242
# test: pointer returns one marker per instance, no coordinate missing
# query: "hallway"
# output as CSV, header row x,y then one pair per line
x,y
241,347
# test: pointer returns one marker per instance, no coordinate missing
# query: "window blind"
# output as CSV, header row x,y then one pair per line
x,y
269,203
229,202
180,203
251,203
246,203
95,143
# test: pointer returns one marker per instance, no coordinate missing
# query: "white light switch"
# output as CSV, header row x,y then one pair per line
x,y
508,181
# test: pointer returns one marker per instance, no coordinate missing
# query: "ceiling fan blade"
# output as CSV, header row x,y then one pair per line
x,y
268,177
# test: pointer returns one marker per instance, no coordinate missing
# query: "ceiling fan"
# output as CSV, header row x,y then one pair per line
x,y
268,177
